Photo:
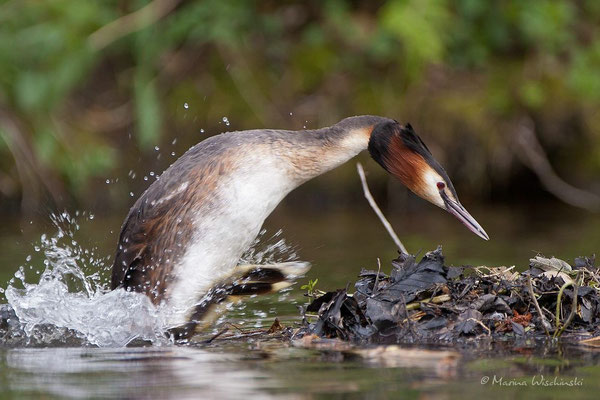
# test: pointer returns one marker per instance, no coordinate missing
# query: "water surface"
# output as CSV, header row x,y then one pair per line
x,y
338,245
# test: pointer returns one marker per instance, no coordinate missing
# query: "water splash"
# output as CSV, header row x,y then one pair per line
x,y
70,294
269,250
266,250
67,300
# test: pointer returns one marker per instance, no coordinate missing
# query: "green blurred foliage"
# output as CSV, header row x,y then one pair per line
x,y
77,78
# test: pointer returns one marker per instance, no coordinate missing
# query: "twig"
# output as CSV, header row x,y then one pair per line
x,y
236,327
384,221
489,332
435,300
548,312
217,335
130,23
32,175
408,321
533,155
377,277
537,306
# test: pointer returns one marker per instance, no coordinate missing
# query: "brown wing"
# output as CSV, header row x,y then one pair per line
x,y
159,225
148,244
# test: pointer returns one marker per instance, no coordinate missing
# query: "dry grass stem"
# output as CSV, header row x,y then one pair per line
x,y
375,207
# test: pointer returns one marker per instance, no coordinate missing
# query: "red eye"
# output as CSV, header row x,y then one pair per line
x,y
441,185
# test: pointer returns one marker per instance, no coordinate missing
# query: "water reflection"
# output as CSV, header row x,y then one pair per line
x,y
266,371
271,369
135,373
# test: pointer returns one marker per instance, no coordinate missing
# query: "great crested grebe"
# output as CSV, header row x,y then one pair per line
x,y
182,239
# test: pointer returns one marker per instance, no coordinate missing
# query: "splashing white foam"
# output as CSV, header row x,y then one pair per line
x,y
111,319
269,250
65,296
71,294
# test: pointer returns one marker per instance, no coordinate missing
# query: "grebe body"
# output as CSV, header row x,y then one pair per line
x,y
186,233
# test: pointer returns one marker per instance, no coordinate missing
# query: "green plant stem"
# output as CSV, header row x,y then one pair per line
x,y
560,329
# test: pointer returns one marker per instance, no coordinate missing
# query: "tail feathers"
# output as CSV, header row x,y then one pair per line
x,y
246,280
262,279
288,270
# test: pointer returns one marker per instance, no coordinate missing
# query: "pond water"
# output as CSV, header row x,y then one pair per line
x,y
61,363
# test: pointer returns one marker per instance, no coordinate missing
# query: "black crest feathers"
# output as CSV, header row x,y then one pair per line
x,y
413,141
385,132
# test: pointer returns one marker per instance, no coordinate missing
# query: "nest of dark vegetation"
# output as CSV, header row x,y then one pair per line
x,y
429,302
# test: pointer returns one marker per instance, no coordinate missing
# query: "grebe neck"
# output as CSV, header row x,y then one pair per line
x,y
314,152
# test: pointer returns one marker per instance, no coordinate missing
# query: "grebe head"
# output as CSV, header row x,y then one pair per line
x,y
402,153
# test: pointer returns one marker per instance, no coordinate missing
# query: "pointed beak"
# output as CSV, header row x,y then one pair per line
x,y
456,209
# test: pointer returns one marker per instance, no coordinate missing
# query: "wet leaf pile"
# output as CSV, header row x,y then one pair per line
x,y
427,301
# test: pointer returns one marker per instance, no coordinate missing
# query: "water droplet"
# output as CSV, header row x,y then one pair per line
x,y
201,130
156,148
145,178
131,194
107,181
173,153
174,141
28,258
186,105
226,121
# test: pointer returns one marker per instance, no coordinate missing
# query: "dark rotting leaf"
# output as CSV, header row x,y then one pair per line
x,y
435,323
317,303
468,321
382,314
517,328
416,277
584,262
500,306
428,301
455,272
584,291
484,302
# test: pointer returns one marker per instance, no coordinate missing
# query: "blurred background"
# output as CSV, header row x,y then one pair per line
x,y
98,97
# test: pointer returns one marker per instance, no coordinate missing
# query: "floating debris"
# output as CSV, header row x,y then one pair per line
x,y
429,302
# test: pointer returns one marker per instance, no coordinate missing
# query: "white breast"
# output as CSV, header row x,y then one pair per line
x,y
246,196
222,233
